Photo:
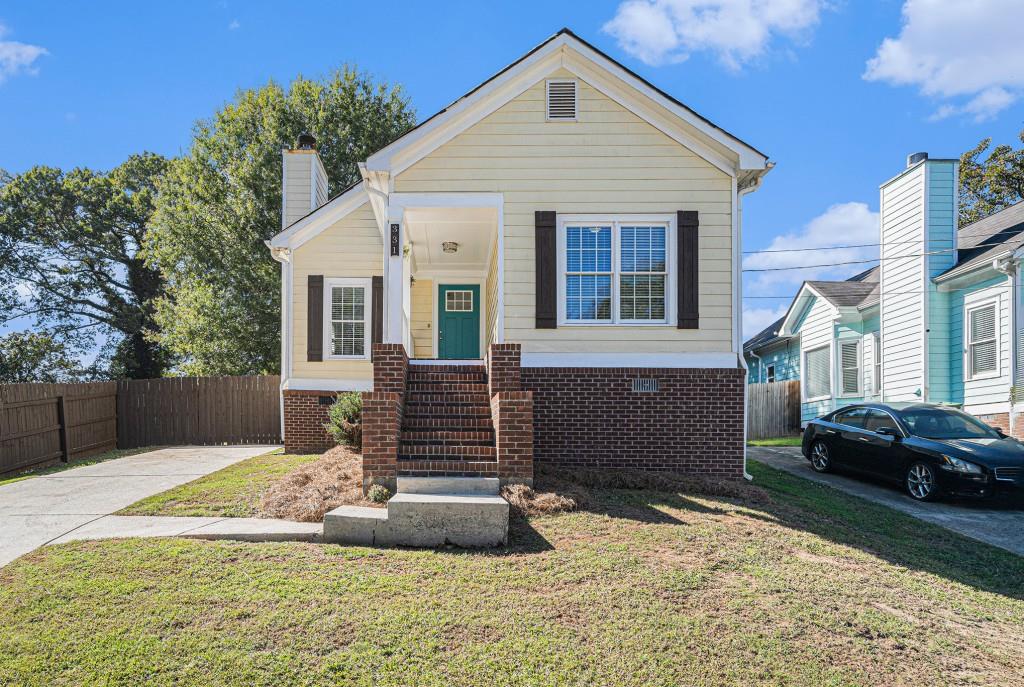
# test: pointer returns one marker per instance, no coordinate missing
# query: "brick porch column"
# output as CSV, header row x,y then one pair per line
x,y
511,413
382,416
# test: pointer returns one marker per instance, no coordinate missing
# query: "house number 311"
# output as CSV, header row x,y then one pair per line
x,y
395,242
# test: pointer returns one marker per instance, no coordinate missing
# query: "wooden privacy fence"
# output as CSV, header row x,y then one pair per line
x,y
43,423
199,410
773,409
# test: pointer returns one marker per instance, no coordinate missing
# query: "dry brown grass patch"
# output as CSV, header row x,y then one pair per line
x,y
334,479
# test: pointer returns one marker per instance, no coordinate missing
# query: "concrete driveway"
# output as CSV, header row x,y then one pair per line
x,y
1000,524
35,511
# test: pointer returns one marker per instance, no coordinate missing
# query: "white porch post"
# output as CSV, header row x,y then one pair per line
x,y
394,239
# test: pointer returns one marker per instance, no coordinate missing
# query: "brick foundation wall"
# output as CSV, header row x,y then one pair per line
x,y
1000,421
304,417
591,417
512,414
503,367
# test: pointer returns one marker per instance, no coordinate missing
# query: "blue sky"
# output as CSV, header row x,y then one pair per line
x,y
837,93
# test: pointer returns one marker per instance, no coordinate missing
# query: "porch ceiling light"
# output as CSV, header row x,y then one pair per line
x,y
450,247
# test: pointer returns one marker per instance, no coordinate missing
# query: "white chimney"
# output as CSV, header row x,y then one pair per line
x,y
304,181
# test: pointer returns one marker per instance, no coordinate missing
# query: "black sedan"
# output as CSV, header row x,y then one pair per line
x,y
931,450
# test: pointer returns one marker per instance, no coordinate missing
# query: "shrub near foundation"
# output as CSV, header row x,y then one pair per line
x,y
344,423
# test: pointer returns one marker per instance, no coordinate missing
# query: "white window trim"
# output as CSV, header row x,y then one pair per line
x,y
769,373
804,376
969,375
876,364
615,221
329,286
840,392
547,96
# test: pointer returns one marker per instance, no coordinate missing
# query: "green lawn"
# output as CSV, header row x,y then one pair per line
x,y
776,441
77,463
641,588
234,491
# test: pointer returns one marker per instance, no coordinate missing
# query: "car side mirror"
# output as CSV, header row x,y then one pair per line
x,y
891,432
1001,433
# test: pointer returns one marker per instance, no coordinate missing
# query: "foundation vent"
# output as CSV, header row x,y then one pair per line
x,y
644,385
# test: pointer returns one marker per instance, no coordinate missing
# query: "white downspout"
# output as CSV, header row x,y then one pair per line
x,y
284,256
1010,267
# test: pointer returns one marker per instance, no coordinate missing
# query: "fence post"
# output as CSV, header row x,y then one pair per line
x,y
65,450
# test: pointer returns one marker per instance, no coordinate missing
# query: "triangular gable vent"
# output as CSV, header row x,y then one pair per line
x,y
561,100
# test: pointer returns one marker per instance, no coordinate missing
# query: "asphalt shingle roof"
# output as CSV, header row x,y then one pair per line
x,y
1004,229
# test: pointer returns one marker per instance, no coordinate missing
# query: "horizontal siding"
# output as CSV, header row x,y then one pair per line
x,y
980,391
941,246
785,357
297,186
816,329
421,316
610,161
902,285
351,247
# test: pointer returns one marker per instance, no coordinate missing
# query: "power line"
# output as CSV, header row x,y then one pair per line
x,y
903,293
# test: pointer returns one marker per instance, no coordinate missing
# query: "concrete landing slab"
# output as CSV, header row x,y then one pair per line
x,y
238,529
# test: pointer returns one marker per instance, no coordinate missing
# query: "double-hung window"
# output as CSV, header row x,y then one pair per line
x,y
849,368
771,373
617,271
817,374
346,309
982,343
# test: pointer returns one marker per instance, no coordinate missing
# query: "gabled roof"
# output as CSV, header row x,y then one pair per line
x,y
564,50
982,241
860,290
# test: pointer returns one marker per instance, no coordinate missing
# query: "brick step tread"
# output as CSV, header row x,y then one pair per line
x,y
460,398
446,388
447,424
446,377
444,437
462,452
445,369
453,419
448,411
444,468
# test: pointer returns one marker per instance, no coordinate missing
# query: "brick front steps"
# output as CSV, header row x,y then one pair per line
x,y
447,427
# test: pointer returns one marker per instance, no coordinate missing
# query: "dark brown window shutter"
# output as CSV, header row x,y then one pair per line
x,y
546,260
686,280
315,318
377,332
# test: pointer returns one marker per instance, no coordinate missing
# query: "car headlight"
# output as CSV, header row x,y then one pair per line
x,y
954,464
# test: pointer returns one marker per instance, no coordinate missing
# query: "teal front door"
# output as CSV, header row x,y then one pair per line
x,y
458,321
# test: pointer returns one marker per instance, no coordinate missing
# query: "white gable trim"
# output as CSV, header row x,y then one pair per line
x,y
563,51
797,307
318,220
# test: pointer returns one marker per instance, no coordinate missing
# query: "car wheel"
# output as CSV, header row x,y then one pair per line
x,y
921,482
821,459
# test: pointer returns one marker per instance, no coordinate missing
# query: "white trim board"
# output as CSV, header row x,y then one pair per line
x,y
314,223
638,360
305,384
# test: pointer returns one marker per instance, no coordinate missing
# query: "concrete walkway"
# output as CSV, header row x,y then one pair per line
x,y
39,510
998,524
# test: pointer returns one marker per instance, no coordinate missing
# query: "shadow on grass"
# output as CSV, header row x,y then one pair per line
x,y
889,534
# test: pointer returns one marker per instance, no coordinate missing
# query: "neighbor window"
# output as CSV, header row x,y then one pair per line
x,y
849,368
347,330
982,345
770,373
615,272
817,374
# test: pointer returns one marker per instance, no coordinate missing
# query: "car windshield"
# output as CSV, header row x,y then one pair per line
x,y
945,423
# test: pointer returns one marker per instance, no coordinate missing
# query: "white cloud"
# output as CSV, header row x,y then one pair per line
x,y
736,31
755,319
234,25
17,58
970,53
843,224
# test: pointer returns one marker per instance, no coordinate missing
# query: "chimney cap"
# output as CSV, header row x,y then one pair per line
x,y
914,158
306,141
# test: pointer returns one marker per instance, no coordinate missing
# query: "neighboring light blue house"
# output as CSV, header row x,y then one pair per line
x,y
937,321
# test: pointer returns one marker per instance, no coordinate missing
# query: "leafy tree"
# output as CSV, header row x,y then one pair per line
x,y
220,202
988,187
37,357
71,256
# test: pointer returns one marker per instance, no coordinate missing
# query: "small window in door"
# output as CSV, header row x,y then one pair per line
x,y
771,373
458,301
